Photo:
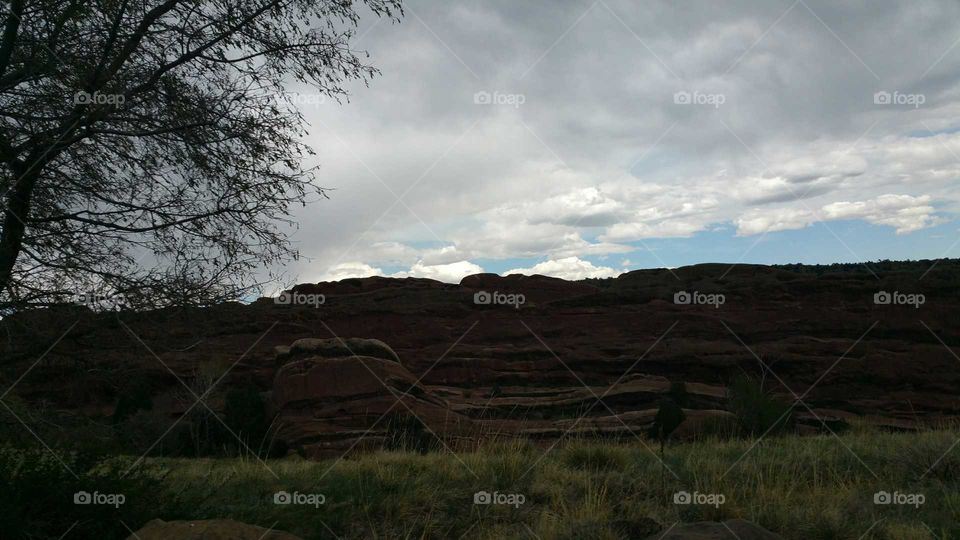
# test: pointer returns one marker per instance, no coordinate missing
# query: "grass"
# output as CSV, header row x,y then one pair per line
x,y
801,487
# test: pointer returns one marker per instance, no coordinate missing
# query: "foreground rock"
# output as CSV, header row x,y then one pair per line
x,y
733,529
208,529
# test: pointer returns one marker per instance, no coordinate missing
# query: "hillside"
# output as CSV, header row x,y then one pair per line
x,y
592,358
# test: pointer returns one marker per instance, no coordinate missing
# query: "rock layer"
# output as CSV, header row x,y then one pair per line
x,y
591,357
333,395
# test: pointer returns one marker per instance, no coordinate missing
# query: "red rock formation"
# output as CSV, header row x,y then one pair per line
x,y
331,395
532,371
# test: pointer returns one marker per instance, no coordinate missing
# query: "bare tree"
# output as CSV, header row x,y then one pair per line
x,y
148,148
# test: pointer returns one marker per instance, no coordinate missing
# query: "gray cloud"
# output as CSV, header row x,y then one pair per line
x,y
599,148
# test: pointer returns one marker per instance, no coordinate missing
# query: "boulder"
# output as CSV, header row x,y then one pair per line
x,y
733,529
329,401
207,529
335,347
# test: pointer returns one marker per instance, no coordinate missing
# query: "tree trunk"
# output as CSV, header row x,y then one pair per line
x,y
15,213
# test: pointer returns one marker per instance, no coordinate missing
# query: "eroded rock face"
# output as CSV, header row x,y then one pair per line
x,y
334,395
207,529
531,370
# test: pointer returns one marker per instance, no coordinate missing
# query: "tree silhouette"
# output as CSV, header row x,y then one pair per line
x,y
669,416
148,148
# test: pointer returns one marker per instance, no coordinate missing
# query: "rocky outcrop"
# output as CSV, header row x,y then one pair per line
x,y
333,395
207,529
365,285
592,357
335,348
534,288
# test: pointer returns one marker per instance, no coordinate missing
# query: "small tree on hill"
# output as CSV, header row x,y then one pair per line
x,y
669,417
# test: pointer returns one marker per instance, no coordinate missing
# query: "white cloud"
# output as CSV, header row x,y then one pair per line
x,y
904,213
448,273
349,270
766,220
569,268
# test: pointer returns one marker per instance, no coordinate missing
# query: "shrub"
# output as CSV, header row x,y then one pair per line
x,y
137,397
757,411
38,499
245,414
22,423
407,433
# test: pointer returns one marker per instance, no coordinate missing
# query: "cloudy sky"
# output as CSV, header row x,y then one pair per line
x,y
583,138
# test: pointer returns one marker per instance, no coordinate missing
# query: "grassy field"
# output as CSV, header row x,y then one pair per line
x,y
802,487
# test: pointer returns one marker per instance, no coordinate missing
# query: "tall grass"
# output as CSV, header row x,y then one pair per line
x,y
801,487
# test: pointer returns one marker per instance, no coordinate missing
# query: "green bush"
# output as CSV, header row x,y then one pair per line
x,y
22,423
245,414
137,397
408,434
40,496
757,411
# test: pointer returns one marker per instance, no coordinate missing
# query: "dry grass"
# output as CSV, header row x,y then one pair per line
x,y
802,487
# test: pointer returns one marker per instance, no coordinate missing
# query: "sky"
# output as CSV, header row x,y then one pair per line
x,y
581,138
